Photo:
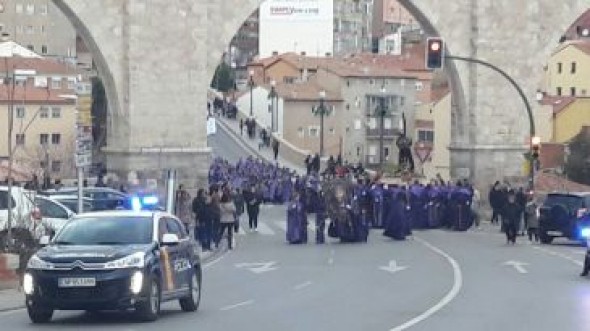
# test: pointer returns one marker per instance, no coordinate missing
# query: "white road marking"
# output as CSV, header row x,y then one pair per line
x,y
392,267
563,256
302,286
265,230
450,296
518,266
213,262
331,259
258,267
237,305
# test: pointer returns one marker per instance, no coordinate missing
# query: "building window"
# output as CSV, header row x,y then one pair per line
x,y
71,83
559,67
31,48
559,91
20,112
44,112
56,139
573,91
43,49
332,131
19,8
373,150
56,166
372,123
55,83
358,150
30,29
301,132
55,112
573,71
387,124
357,124
19,29
43,139
314,131
20,139
426,136
43,9
419,86
30,9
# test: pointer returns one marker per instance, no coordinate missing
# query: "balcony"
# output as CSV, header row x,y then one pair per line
x,y
387,133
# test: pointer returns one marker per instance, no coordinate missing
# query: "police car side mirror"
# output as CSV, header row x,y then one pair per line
x,y
170,239
44,241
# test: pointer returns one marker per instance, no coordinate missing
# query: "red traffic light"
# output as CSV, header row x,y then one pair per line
x,y
434,53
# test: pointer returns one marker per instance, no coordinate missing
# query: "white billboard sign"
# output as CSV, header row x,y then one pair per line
x,y
296,26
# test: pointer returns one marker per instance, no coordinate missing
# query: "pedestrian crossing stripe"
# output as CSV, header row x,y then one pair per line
x,y
272,228
265,229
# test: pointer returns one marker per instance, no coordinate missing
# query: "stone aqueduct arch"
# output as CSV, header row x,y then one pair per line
x,y
157,58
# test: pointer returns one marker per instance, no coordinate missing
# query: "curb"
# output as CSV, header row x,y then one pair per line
x,y
213,256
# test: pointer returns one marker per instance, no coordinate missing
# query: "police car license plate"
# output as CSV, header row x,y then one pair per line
x,y
555,233
77,282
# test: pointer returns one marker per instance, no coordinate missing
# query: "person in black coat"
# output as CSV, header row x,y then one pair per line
x,y
253,199
199,207
316,163
495,202
511,213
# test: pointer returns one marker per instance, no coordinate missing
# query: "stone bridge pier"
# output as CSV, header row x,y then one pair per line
x,y
157,59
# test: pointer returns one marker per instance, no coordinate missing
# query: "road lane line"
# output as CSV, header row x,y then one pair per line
x,y
237,305
450,296
331,259
302,286
557,254
213,262
281,225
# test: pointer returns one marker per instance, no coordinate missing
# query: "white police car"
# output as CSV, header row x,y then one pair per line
x,y
114,260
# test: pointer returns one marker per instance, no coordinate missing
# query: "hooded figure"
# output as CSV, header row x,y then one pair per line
x,y
296,222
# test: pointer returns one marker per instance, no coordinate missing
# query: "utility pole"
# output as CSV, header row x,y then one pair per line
x,y
251,83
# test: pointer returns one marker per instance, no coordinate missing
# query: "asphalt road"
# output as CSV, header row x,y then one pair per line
x,y
223,145
439,281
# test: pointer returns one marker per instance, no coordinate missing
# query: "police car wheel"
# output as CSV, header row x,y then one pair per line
x,y
38,315
148,310
545,238
191,302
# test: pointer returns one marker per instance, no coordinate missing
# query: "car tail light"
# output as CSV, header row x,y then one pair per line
x,y
582,212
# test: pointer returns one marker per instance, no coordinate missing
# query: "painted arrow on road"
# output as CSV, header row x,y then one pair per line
x,y
518,266
258,267
393,267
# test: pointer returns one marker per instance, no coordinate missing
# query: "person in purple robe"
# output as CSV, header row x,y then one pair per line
x,y
396,226
296,222
433,206
418,205
377,195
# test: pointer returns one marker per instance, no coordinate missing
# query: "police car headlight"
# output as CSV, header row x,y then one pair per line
x,y
135,260
585,233
136,282
28,284
37,264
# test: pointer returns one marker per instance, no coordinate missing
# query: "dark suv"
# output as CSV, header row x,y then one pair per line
x,y
560,214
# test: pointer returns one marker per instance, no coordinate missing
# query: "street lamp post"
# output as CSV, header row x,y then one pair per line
x,y
382,114
251,84
321,111
272,96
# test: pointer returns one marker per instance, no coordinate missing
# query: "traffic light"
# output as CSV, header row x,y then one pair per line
x,y
535,147
435,49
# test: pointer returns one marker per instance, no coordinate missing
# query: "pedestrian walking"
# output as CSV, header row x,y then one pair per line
x,y
308,164
316,163
214,211
241,126
239,203
182,207
511,214
275,148
253,199
532,219
521,199
199,207
495,197
227,220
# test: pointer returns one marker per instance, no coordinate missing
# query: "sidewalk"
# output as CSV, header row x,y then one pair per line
x,y
232,127
13,299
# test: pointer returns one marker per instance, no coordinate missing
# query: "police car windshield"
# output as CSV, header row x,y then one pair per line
x,y
106,231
